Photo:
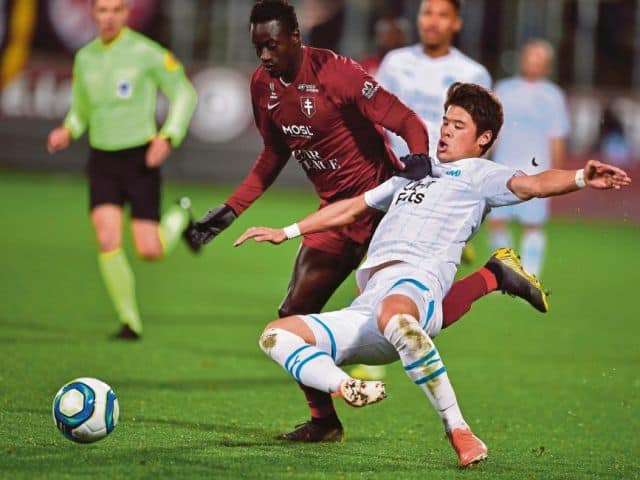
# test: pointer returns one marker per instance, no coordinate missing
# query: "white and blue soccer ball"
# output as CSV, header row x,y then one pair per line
x,y
85,410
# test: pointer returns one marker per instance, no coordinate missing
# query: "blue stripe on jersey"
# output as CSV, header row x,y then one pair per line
x,y
431,376
430,309
303,363
417,363
332,340
412,281
293,355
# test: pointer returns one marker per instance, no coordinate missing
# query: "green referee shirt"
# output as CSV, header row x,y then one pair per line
x,y
114,93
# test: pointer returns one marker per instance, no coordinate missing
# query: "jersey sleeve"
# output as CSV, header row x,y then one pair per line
x,y
171,79
558,116
381,197
493,183
267,167
483,78
77,119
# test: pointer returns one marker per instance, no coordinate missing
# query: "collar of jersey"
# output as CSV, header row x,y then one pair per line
x,y
305,54
114,41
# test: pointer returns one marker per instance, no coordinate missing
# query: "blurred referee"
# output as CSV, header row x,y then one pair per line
x,y
114,92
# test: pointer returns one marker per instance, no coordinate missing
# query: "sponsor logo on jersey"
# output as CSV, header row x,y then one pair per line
x,y
369,89
303,131
310,160
454,173
124,89
308,106
414,192
308,87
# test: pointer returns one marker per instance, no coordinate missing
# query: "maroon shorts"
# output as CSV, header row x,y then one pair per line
x,y
349,243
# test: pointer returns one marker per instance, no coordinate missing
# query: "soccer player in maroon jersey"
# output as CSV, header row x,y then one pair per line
x,y
327,112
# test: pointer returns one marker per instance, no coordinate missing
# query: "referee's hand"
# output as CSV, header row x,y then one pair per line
x,y
157,152
58,139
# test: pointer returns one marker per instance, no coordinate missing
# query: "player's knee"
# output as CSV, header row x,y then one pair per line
x,y
396,305
268,339
107,240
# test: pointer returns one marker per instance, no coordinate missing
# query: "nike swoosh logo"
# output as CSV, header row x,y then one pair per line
x,y
271,107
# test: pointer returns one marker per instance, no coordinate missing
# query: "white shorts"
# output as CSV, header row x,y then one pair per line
x,y
531,212
351,335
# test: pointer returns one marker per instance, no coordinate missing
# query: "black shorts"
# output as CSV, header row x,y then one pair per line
x,y
122,176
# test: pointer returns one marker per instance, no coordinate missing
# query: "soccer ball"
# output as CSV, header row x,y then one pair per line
x,y
85,410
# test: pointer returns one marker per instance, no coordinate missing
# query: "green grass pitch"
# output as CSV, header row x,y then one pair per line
x,y
553,396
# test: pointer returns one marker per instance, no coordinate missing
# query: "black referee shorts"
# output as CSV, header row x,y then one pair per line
x,y
122,176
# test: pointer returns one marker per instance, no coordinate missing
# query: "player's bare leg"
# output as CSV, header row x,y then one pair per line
x,y
115,270
422,363
146,239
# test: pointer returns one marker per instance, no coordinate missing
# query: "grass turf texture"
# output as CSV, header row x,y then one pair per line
x,y
553,396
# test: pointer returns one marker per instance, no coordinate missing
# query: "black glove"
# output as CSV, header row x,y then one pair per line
x,y
417,166
216,220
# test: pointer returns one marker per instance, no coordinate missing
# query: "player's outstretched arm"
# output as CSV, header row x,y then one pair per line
x,y
334,215
595,174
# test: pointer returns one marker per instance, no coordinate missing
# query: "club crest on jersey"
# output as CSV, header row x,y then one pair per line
x,y
124,89
308,106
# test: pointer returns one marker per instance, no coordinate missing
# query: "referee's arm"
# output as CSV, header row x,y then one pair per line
x,y
182,99
77,119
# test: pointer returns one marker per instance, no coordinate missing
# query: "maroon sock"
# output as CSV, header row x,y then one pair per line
x,y
464,292
320,404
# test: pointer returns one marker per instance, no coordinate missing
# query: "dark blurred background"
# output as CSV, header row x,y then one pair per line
x,y
597,63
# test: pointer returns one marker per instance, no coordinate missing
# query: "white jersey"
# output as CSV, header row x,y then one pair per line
x,y
421,82
429,221
534,113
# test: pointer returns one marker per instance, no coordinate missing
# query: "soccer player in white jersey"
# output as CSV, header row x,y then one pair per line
x,y
533,140
411,263
419,75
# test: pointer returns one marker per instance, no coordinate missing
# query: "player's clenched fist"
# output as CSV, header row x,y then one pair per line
x,y
209,226
262,234
58,139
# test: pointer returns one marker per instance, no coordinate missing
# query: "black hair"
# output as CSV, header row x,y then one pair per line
x,y
457,5
483,106
280,10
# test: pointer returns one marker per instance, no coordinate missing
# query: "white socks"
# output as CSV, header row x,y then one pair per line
x,y
533,243
422,363
500,238
306,363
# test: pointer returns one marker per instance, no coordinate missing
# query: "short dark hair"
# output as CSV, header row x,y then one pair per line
x,y
280,10
457,5
483,106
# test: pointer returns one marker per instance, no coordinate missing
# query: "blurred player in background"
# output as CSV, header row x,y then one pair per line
x,y
115,82
389,34
409,267
420,74
324,109
534,137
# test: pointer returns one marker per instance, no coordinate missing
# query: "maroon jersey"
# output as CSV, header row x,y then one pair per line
x,y
329,119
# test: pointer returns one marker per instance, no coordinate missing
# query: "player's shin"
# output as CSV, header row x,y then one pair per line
x,y
172,224
306,363
120,282
422,363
